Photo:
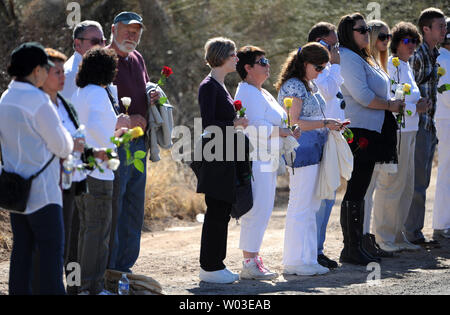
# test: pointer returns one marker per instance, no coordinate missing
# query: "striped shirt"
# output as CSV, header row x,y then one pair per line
x,y
424,67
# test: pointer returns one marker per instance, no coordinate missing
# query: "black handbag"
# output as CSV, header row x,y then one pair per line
x,y
15,190
244,200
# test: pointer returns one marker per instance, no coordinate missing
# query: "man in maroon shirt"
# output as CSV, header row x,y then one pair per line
x,y
129,188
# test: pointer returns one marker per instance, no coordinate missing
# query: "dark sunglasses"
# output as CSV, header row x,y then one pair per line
x,y
363,30
383,36
318,68
341,97
263,62
406,41
94,41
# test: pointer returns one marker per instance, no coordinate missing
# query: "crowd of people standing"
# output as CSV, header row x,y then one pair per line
x,y
342,77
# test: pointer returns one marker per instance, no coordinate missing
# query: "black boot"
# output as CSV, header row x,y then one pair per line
x,y
353,252
369,245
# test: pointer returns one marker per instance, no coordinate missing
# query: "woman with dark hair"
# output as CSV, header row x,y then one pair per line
x,y
31,135
296,81
264,113
97,113
217,177
394,191
72,196
365,91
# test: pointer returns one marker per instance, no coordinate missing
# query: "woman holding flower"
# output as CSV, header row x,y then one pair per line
x,y
394,191
96,112
296,81
365,91
264,113
217,177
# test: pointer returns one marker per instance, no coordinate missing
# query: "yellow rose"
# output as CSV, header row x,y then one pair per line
x,y
441,72
406,88
396,61
288,102
136,132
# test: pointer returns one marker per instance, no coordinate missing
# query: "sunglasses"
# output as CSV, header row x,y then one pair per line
x,y
95,41
363,30
406,41
341,97
383,36
263,62
318,68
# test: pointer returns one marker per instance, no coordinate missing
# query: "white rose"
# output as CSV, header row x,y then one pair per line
x,y
126,101
113,164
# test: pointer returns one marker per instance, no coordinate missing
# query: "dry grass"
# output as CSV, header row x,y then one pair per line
x,y
170,190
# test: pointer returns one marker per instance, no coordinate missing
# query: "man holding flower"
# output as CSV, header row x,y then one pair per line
x,y
423,63
129,187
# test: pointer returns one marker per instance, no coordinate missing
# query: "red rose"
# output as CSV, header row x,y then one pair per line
x,y
237,105
166,71
363,142
350,140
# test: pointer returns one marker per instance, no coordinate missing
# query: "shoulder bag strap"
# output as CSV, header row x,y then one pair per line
x,y
43,169
112,100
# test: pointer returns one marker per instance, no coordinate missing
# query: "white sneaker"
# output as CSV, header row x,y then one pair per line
x,y
106,292
389,247
305,270
254,269
219,276
441,233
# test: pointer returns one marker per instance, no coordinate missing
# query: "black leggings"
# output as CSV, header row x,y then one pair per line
x,y
213,248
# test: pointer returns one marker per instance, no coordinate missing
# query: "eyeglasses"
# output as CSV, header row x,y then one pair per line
x,y
341,97
383,36
95,41
406,41
318,68
263,62
363,30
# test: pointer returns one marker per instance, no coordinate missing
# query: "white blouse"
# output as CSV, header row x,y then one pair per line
x,y
263,112
30,133
95,112
407,76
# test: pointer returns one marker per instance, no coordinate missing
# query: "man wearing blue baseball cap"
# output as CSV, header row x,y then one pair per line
x,y
129,185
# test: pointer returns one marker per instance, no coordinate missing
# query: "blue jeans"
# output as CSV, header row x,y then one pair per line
x,y
322,217
44,230
130,211
426,141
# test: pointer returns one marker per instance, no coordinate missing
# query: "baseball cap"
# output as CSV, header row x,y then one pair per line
x,y
28,56
128,18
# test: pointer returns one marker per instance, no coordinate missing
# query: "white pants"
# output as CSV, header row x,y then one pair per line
x,y
394,193
368,199
441,211
300,239
254,222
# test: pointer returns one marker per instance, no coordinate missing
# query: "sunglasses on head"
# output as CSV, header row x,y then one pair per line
x,y
363,30
383,36
263,62
94,41
318,68
406,41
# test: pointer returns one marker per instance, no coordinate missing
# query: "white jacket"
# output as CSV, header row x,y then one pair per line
x,y
443,100
337,161
160,125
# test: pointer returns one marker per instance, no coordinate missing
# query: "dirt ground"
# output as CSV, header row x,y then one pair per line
x,y
171,257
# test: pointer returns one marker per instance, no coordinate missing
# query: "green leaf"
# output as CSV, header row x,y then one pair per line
x,y
128,154
409,112
443,88
139,165
139,154
162,100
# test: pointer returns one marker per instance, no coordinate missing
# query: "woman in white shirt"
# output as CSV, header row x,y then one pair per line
x,y
264,113
96,112
72,196
441,213
31,134
394,191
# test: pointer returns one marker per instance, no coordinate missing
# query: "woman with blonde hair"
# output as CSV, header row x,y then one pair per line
x,y
379,38
217,178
